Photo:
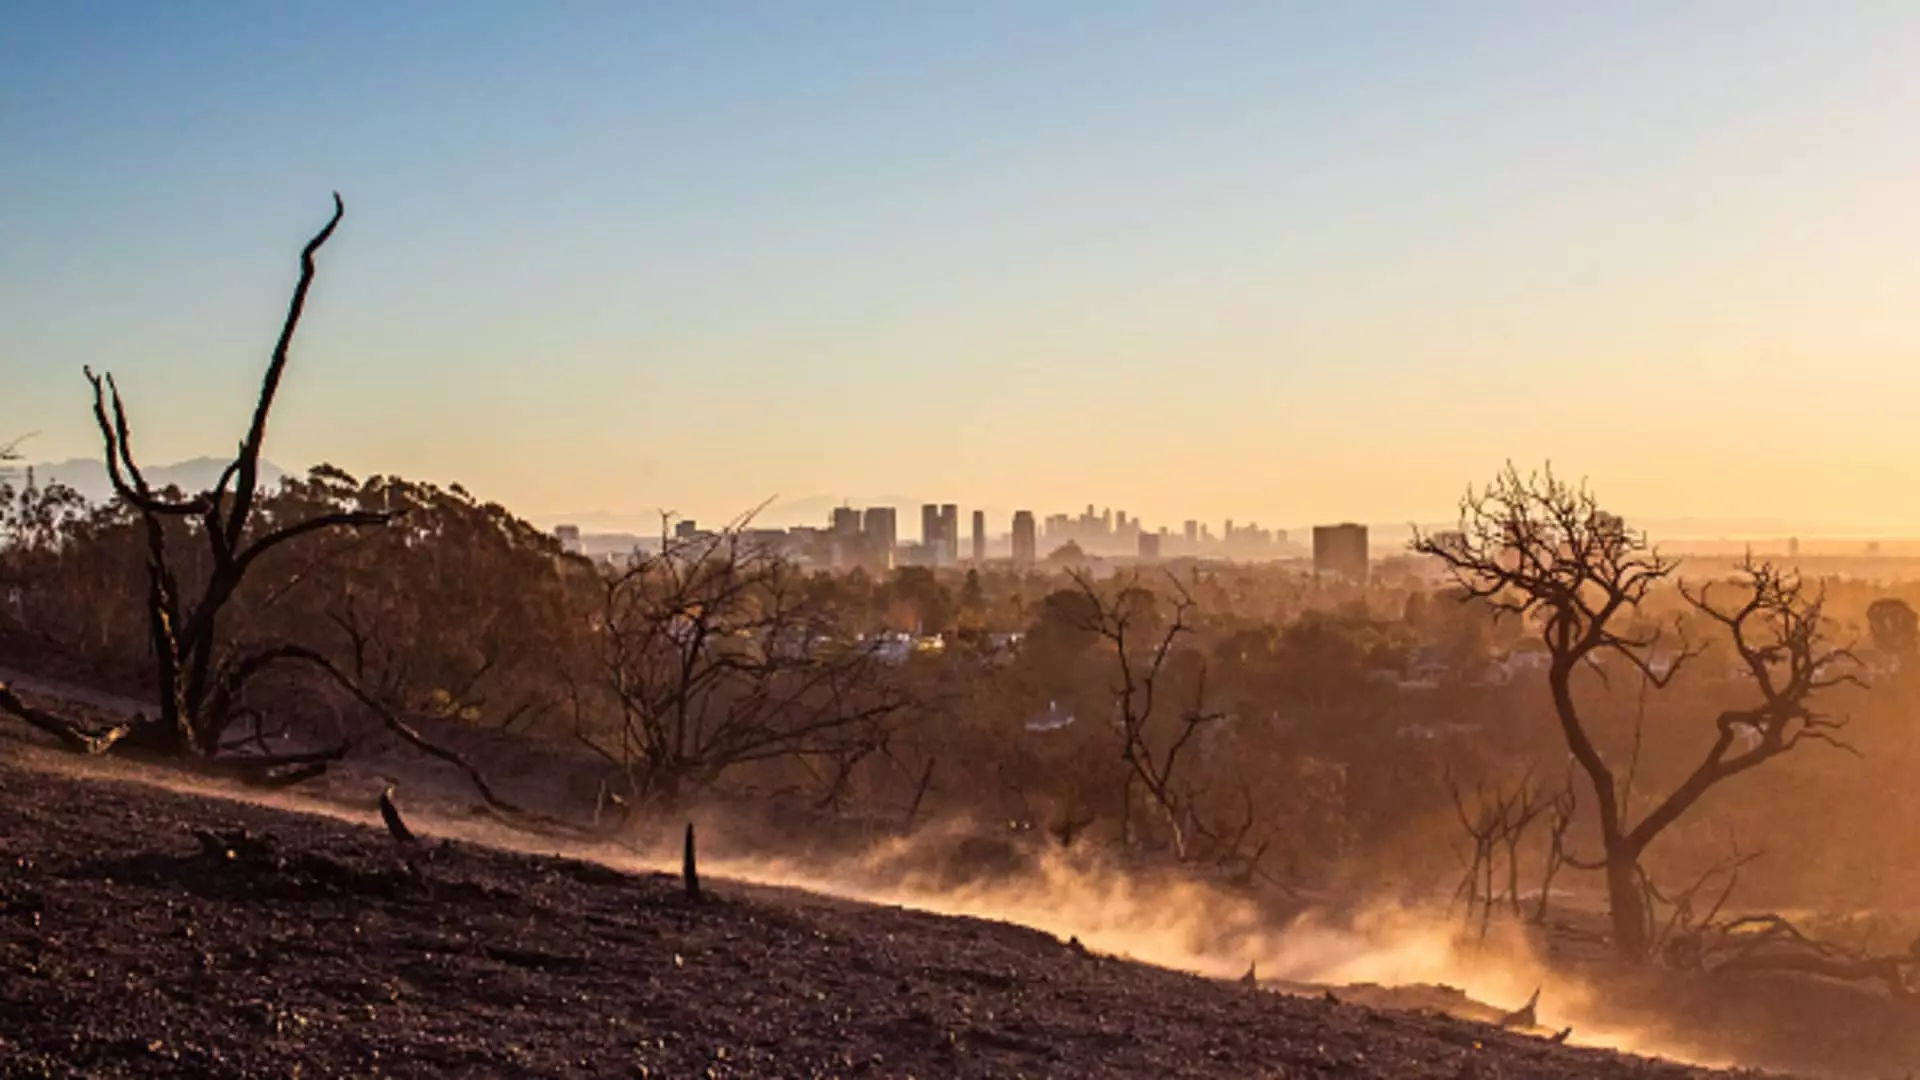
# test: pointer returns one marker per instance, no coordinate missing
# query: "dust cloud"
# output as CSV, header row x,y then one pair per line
x,y
1155,918
1212,931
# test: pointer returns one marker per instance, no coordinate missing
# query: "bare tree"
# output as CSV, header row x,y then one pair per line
x,y
1155,732
198,676
1537,548
1560,815
1498,826
711,655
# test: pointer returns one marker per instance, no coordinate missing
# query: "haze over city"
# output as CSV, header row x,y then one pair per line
x,y
1268,262
1095,538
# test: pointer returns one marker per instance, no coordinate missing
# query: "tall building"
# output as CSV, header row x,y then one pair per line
x,y
1341,549
1026,546
882,527
949,533
879,538
1193,533
930,524
846,521
979,536
569,537
1149,545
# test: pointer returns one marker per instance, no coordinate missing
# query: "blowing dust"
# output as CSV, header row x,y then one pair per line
x,y
1152,918
1209,930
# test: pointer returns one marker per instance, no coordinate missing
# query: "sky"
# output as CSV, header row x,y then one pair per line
x,y
1284,262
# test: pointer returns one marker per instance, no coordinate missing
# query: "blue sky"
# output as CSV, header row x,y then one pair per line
x,y
1277,261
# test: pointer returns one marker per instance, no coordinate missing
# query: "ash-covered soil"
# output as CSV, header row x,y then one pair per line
x,y
314,947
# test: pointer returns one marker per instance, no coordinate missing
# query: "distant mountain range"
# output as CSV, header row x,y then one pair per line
x,y
88,476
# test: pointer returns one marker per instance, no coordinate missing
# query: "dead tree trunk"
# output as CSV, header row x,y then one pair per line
x,y
689,867
198,678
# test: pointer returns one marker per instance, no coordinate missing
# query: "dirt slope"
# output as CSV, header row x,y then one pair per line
x,y
128,949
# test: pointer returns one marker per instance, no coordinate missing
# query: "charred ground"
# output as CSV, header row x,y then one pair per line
x,y
305,945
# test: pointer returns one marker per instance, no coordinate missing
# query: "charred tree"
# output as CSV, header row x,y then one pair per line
x,y
712,656
1539,549
198,676
689,867
1155,732
390,814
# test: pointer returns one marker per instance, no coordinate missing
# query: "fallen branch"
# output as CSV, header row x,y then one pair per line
x,y
396,725
71,735
278,770
1758,944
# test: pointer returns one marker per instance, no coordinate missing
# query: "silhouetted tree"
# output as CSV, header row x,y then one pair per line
x,y
712,655
1542,550
1155,730
198,677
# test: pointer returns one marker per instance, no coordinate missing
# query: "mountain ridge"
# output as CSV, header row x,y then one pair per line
x,y
88,476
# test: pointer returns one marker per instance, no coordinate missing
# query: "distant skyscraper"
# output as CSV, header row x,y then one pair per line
x,y
1026,546
846,521
1341,549
930,524
979,536
1193,533
569,537
1149,545
882,527
950,532
879,538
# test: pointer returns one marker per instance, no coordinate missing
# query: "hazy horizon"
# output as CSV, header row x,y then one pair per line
x,y
1283,264
88,476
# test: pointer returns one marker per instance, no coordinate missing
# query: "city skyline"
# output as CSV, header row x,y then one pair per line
x,y
803,513
1283,262
88,476
869,538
